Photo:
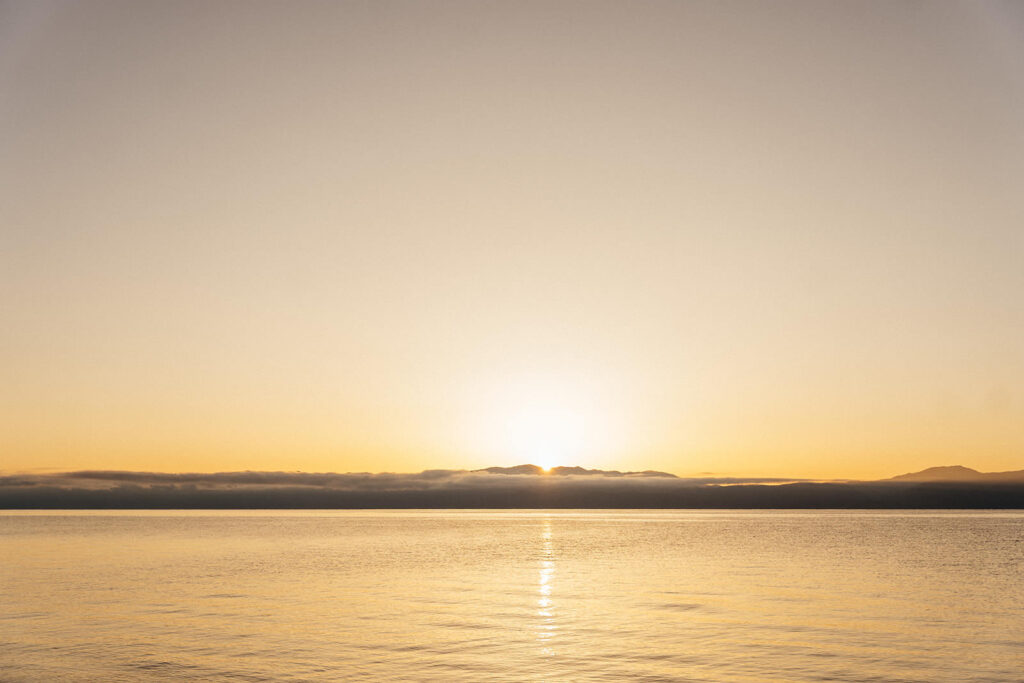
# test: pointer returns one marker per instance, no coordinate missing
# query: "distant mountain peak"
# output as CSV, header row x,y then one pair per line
x,y
944,473
959,473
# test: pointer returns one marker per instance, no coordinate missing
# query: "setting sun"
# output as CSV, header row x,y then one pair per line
x,y
546,435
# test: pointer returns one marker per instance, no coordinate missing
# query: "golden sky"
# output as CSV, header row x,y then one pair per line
x,y
742,238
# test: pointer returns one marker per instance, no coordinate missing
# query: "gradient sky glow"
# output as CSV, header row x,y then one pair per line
x,y
743,238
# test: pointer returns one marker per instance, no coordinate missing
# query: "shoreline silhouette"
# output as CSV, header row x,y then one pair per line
x,y
520,487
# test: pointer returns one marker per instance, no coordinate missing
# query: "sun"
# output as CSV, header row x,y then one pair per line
x,y
548,418
546,435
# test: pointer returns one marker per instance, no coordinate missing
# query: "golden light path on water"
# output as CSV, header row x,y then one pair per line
x,y
546,627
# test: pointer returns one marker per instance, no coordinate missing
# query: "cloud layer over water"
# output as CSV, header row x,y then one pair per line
x,y
480,489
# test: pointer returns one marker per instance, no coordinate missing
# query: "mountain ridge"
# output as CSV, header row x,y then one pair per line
x,y
958,473
563,471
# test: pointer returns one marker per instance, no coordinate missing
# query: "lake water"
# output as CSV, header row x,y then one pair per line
x,y
516,596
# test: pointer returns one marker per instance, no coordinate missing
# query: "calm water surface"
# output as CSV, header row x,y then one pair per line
x,y
516,595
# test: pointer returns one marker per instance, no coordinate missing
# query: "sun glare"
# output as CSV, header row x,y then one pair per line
x,y
549,419
547,436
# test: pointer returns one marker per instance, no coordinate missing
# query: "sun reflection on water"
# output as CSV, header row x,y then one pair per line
x,y
545,607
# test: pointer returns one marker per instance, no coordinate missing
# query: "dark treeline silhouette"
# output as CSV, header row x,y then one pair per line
x,y
444,489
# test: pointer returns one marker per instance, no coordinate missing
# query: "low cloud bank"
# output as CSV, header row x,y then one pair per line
x,y
479,489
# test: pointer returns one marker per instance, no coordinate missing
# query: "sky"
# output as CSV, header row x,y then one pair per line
x,y
758,239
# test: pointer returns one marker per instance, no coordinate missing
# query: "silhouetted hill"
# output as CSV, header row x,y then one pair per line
x,y
959,473
947,473
518,469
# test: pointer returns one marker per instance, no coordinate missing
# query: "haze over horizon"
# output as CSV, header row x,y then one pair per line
x,y
523,486
933,473
757,239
